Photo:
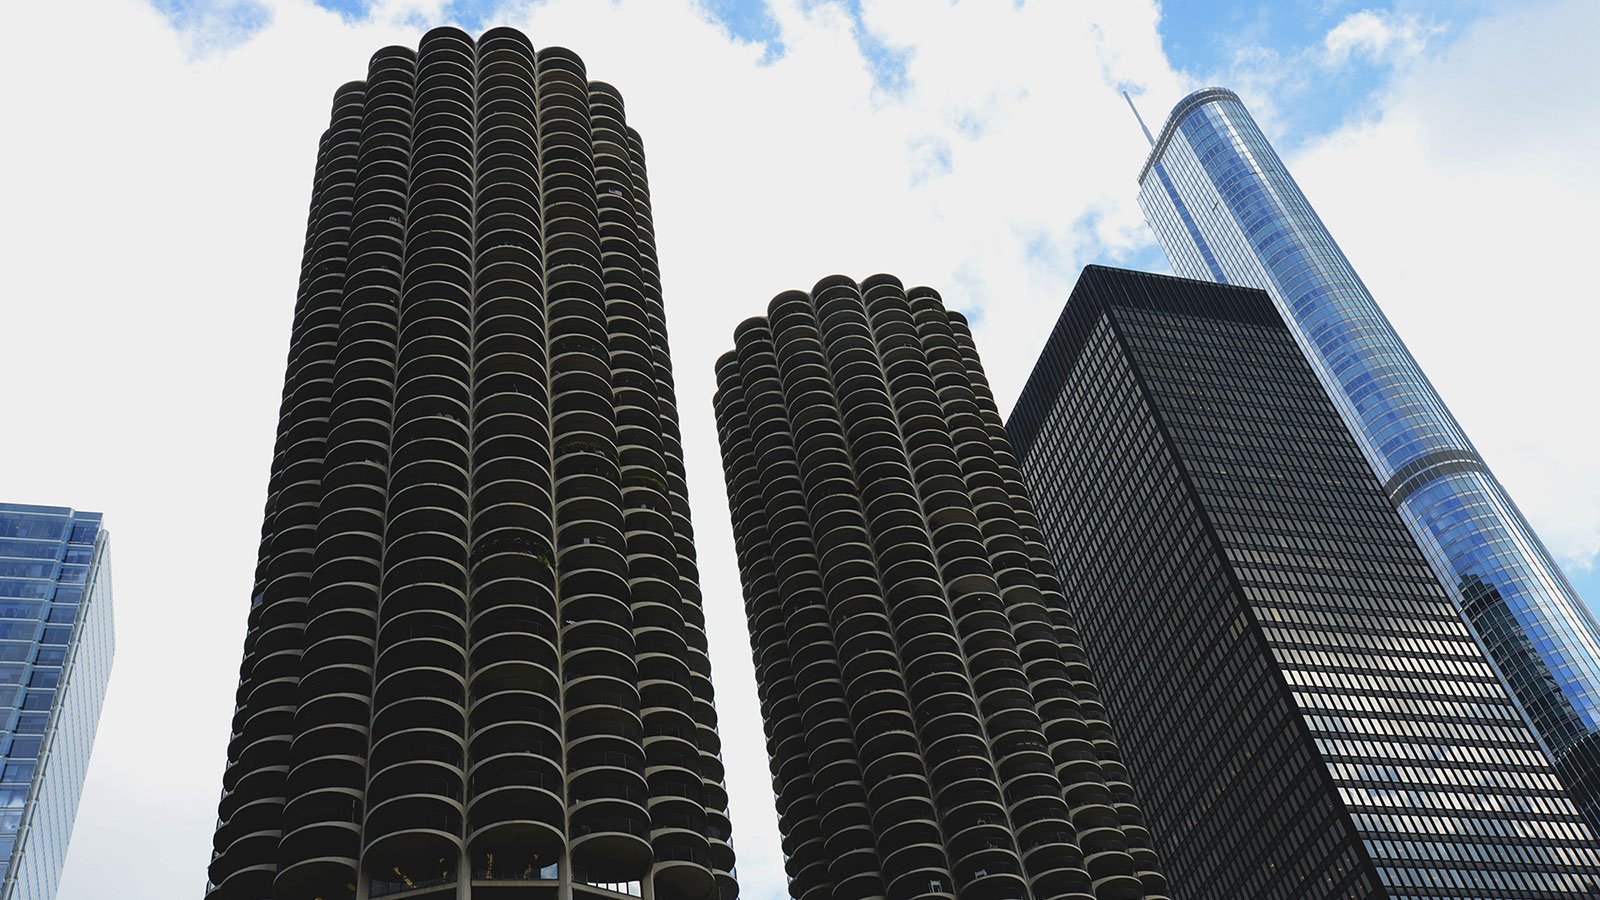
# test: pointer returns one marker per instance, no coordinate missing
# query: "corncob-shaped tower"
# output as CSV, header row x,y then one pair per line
x,y
476,659
933,726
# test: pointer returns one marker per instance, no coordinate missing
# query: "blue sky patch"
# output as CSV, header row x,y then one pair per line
x,y
349,10
1587,583
471,16
888,64
1278,47
750,21
208,26
1146,257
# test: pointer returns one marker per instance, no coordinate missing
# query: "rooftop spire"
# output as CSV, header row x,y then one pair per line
x,y
1147,135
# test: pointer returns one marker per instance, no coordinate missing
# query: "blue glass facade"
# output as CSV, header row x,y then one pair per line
x,y
1225,209
56,643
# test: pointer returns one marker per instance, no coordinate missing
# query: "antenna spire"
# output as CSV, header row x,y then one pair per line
x,y
1147,136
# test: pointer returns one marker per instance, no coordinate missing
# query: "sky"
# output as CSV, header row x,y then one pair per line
x,y
159,155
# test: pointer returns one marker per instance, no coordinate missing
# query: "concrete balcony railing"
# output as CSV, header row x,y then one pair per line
x,y
895,585
479,289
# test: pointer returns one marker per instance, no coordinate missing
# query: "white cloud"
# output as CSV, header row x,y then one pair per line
x,y
1376,35
152,242
1467,204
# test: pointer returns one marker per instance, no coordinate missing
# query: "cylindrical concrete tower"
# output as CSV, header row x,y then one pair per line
x,y
476,658
933,727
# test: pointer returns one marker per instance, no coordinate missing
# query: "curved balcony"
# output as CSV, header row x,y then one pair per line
x,y
518,801
250,816
918,873
513,567
238,880
869,655
241,786
417,854
332,725
328,764
248,851
320,858
514,660
690,879
611,837
268,753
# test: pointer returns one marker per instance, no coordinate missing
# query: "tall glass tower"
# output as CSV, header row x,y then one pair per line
x,y
56,642
475,662
1225,209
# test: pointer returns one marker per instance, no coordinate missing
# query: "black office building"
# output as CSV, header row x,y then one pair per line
x,y
475,661
933,726
1301,705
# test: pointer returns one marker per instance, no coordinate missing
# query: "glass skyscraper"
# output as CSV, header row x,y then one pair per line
x,y
56,642
1225,209
1303,709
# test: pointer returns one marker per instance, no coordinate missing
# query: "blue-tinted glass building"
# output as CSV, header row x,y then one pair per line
x,y
56,643
1225,209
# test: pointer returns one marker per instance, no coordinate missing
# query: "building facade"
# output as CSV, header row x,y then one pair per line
x,y
1304,709
1225,209
56,644
933,728
475,663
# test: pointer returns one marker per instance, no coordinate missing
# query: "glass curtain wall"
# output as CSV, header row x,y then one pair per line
x,y
1225,209
56,644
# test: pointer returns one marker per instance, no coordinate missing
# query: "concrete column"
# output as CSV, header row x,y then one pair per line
x,y
564,891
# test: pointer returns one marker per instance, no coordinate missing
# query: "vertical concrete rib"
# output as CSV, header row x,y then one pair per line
x,y
707,740
786,734
250,812
678,824
987,766
517,816
476,654
1105,755
603,730
952,502
911,851
415,788
321,842
827,758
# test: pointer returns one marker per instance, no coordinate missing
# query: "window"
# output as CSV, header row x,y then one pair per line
x,y
17,773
